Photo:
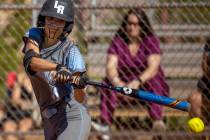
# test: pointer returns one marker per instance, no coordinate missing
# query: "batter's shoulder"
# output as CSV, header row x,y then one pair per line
x,y
34,33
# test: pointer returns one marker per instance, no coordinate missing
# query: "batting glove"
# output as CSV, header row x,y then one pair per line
x,y
79,81
63,75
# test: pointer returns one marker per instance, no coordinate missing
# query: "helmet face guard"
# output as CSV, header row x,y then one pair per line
x,y
61,9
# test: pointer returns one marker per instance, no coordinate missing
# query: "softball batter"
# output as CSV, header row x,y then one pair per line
x,y
51,61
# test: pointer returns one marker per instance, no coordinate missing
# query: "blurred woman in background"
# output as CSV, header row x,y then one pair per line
x,y
133,61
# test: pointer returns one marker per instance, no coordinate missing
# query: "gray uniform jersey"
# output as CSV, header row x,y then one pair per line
x,y
66,53
69,122
46,90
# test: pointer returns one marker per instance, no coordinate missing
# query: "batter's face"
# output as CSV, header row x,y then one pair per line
x,y
53,27
133,28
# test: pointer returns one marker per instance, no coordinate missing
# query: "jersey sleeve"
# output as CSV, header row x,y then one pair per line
x,y
75,61
35,34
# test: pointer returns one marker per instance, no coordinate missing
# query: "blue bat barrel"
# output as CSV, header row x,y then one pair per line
x,y
163,100
146,96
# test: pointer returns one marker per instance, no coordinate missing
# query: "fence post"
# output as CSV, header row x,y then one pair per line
x,y
93,16
34,13
152,11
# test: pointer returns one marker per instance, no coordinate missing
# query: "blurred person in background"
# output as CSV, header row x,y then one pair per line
x,y
133,61
200,98
19,103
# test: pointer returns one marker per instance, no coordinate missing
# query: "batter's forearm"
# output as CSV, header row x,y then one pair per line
x,y
41,65
32,60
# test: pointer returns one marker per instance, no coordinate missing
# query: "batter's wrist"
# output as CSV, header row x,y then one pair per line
x,y
58,67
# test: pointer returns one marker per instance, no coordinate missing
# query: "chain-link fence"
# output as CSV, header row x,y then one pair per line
x,y
182,27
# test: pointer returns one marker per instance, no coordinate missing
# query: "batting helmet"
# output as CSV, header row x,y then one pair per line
x,y
61,9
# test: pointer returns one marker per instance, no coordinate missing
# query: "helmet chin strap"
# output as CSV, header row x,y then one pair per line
x,y
63,36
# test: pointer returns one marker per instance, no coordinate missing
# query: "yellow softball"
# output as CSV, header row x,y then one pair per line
x,y
196,125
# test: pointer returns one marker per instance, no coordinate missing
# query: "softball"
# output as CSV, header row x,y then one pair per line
x,y
196,125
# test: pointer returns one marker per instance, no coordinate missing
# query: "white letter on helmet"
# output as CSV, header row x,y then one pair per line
x,y
60,8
